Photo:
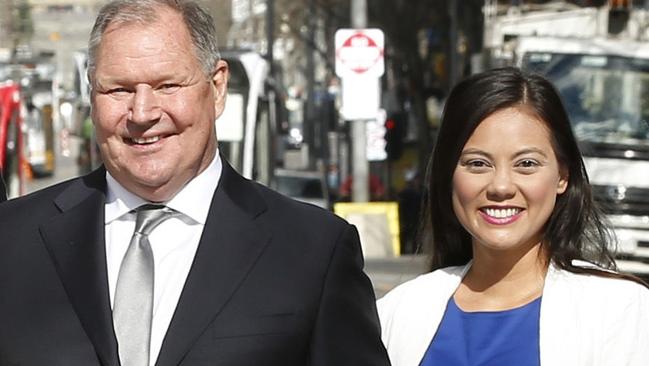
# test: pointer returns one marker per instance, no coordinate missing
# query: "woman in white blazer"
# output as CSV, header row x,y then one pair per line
x,y
521,274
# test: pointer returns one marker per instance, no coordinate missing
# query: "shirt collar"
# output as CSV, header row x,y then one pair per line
x,y
190,200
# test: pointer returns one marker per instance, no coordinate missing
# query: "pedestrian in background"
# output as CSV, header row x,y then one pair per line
x,y
166,255
410,202
521,271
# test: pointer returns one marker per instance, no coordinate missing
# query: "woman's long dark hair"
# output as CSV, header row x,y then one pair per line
x,y
575,229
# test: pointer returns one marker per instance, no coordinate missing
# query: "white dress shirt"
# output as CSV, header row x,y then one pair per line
x,y
173,242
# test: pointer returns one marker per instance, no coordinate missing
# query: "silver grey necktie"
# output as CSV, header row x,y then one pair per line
x,y
133,307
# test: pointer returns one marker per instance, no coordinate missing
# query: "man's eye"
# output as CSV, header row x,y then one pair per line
x,y
168,88
118,91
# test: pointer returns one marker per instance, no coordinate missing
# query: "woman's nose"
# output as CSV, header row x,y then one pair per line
x,y
501,186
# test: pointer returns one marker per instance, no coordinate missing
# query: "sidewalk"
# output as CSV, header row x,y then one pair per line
x,y
387,273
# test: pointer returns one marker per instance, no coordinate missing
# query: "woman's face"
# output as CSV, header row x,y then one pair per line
x,y
506,181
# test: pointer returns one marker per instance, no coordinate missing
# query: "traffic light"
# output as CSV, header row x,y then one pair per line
x,y
395,130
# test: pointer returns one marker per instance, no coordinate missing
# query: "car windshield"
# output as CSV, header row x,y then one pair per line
x,y
296,186
607,97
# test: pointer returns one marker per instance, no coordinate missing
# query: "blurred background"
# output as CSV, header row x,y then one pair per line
x,y
286,123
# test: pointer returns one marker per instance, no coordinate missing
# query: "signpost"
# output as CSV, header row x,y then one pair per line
x,y
359,64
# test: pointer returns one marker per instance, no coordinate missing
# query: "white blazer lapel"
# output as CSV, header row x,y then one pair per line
x,y
416,309
559,321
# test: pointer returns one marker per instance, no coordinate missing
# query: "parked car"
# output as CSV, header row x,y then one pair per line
x,y
302,185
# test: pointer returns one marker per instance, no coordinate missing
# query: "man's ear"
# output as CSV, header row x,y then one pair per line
x,y
220,85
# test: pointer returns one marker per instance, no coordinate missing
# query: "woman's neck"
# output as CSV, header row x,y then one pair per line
x,y
501,280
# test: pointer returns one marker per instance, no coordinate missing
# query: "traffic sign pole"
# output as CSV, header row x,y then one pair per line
x,y
361,167
359,64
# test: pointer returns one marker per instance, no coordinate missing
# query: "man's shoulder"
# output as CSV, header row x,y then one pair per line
x,y
30,205
280,206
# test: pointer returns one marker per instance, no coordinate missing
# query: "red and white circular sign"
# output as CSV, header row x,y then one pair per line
x,y
359,52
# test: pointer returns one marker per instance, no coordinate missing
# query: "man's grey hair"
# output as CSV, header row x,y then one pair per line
x,y
199,23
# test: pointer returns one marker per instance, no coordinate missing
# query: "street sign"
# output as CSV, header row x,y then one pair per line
x,y
359,52
361,97
375,132
359,64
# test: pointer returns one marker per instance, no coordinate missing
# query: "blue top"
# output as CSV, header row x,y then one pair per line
x,y
493,338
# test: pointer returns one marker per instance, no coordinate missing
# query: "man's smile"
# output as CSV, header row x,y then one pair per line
x,y
143,140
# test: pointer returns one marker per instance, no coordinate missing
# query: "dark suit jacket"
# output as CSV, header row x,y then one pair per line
x,y
274,282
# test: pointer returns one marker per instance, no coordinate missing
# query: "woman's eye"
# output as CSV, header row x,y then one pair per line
x,y
528,163
475,164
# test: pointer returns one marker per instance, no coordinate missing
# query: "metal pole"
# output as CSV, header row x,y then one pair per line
x,y
271,83
310,119
270,35
360,165
454,59
359,14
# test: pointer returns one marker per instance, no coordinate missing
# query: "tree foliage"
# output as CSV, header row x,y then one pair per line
x,y
417,43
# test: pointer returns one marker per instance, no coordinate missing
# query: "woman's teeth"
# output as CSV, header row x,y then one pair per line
x,y
502,213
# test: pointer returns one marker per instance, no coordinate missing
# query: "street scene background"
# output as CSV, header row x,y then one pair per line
x,y
285,57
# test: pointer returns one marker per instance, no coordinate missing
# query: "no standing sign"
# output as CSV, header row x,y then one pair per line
x,y
359,52
359,63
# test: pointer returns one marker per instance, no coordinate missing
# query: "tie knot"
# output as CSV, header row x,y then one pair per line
x,y
149,216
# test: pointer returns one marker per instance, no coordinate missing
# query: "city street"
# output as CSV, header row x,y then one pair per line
x,y
506,138
387,273
66,167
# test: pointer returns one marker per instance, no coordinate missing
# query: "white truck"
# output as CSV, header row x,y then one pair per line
x,y
598,58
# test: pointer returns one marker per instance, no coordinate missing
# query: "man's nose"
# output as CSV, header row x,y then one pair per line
x,y
502,185
145,108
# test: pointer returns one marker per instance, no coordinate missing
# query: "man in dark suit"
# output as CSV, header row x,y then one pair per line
x,y
233,273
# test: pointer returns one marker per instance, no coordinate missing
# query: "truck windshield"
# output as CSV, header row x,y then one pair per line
x,y
607,97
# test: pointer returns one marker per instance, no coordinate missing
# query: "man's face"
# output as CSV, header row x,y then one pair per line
x,y
154,107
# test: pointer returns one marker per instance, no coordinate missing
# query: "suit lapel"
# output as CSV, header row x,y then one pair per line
x,y
75,240
231,243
